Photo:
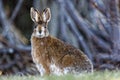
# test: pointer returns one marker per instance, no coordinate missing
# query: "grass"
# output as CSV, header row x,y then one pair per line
x,y
106,75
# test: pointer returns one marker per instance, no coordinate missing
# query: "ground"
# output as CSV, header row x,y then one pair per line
x,y
103,75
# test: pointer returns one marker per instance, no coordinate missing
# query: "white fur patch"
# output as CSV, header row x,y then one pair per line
x,y
43,31
41,69
55,70
44,17
42,34
36,16
41,43
65,70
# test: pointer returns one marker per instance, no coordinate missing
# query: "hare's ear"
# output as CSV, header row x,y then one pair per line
x,y
34,13
46,15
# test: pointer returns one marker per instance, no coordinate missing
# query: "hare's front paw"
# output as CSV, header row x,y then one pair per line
x,y
41,69
55,70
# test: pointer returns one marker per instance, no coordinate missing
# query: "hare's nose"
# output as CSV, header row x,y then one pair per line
x,y
40,31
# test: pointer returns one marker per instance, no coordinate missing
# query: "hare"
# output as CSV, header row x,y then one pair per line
x,y
51,55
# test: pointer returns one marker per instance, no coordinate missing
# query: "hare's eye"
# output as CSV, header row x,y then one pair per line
x,y
45,27
35,26
45,24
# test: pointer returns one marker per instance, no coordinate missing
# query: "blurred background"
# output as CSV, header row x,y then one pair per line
x,y
90,25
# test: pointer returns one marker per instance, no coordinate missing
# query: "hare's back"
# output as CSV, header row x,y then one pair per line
x,y
69,56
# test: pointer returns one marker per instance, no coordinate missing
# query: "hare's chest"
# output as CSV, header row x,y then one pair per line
x,y
41,43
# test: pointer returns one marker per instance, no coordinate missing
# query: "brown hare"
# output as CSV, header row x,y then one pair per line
x,y
51,55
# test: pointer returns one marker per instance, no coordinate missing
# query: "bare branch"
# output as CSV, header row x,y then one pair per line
x,y
84,26
98,7
16,10
79,36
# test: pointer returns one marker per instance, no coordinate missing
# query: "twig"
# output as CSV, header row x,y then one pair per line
x,y
62,25
16,10
9,46
79,36
7,66
5,23
83,26
98,7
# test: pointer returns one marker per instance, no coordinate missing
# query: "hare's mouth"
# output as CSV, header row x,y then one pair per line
x,y
41,36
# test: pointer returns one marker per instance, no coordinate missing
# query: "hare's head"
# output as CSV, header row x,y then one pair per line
x,y
41,20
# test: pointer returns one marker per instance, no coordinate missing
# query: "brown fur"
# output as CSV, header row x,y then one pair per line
x,y
47,50
51,50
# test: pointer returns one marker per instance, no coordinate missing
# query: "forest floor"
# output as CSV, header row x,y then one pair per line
x,y
104,75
